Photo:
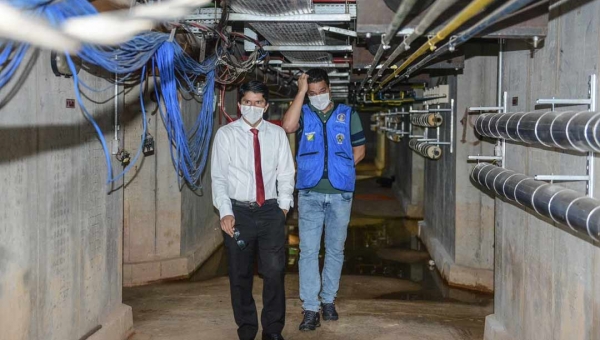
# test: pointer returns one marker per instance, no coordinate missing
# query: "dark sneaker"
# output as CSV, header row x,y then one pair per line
x,y
311,321
266,336
329,312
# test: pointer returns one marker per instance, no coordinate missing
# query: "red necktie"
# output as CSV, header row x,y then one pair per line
x,y
260,186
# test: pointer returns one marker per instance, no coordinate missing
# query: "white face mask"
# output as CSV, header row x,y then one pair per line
x,y
320,102
252,114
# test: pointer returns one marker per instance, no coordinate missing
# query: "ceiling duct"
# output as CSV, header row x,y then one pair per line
x,y
294,34
271,7
291,33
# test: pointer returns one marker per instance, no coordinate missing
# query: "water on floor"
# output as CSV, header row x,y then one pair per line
x,y
389,288
389,247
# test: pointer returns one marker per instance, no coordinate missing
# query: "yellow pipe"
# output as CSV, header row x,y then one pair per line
x,y
474,8
390,102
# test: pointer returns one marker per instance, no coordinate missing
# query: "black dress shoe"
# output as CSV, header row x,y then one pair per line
x,y
329,312
311,321
275,336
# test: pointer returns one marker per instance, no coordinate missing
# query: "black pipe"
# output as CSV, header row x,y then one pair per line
x,y
564,206
579,131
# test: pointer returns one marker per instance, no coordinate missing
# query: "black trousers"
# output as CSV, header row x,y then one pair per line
x,y
262,228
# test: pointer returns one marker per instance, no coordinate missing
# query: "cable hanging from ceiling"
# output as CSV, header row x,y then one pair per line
x,y
177,71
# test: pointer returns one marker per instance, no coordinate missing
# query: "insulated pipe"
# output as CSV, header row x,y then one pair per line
x,y
499,14
570,130
564,206
473,9
424,149
438,7
427,119
401,14
393,137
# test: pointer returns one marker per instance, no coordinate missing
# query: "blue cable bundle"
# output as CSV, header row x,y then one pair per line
x,y
189,148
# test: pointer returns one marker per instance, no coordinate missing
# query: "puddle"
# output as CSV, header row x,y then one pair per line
x,y
385,247
389,248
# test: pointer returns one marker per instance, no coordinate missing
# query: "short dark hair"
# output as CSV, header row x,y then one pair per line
x,y
254,86
316,75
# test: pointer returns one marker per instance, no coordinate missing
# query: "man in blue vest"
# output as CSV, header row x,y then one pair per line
x,y
332,142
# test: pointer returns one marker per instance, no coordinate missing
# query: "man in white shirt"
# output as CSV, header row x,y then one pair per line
x,y
252,174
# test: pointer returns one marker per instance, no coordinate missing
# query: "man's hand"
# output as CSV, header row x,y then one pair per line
x,y
303,84
227,224
285,212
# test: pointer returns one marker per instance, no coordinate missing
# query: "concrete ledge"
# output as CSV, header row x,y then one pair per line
x,y
143,273
456,275
494,330
118,325
408,209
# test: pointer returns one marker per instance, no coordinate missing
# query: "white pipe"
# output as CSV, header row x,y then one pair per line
x,y
110,28
14,25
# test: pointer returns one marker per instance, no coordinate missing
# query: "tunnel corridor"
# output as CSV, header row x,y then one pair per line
x,y
389,290
476,213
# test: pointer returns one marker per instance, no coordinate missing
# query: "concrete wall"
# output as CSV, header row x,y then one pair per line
x,y
408,170
547,279
60,232
169,230
474,210
458,223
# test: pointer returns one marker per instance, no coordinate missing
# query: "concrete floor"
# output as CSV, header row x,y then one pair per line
x,y
371,307
202,311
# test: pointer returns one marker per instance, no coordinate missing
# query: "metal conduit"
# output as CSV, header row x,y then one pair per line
x,y
469,12
401,14
427,119
424,149
581,213
438,7
571,130
499,14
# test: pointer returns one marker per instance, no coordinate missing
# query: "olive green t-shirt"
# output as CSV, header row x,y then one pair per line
x,y
357,138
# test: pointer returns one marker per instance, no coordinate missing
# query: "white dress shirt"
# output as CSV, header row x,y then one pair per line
x,y
232,165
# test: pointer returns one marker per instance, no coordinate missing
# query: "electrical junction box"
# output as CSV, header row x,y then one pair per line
x,y
435,92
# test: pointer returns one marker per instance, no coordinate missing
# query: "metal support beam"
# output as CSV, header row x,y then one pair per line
x,y
312,48
486,108
561,178
209,15
340,31
290,18
591,103
484,158
320,65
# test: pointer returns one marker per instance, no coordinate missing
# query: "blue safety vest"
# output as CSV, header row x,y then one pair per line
x,y
325,150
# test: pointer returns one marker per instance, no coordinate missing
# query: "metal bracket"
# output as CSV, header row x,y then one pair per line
x,y
501,142
337,30
589,169
436,141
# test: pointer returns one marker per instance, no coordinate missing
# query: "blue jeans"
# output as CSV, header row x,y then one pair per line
x,y
316,209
